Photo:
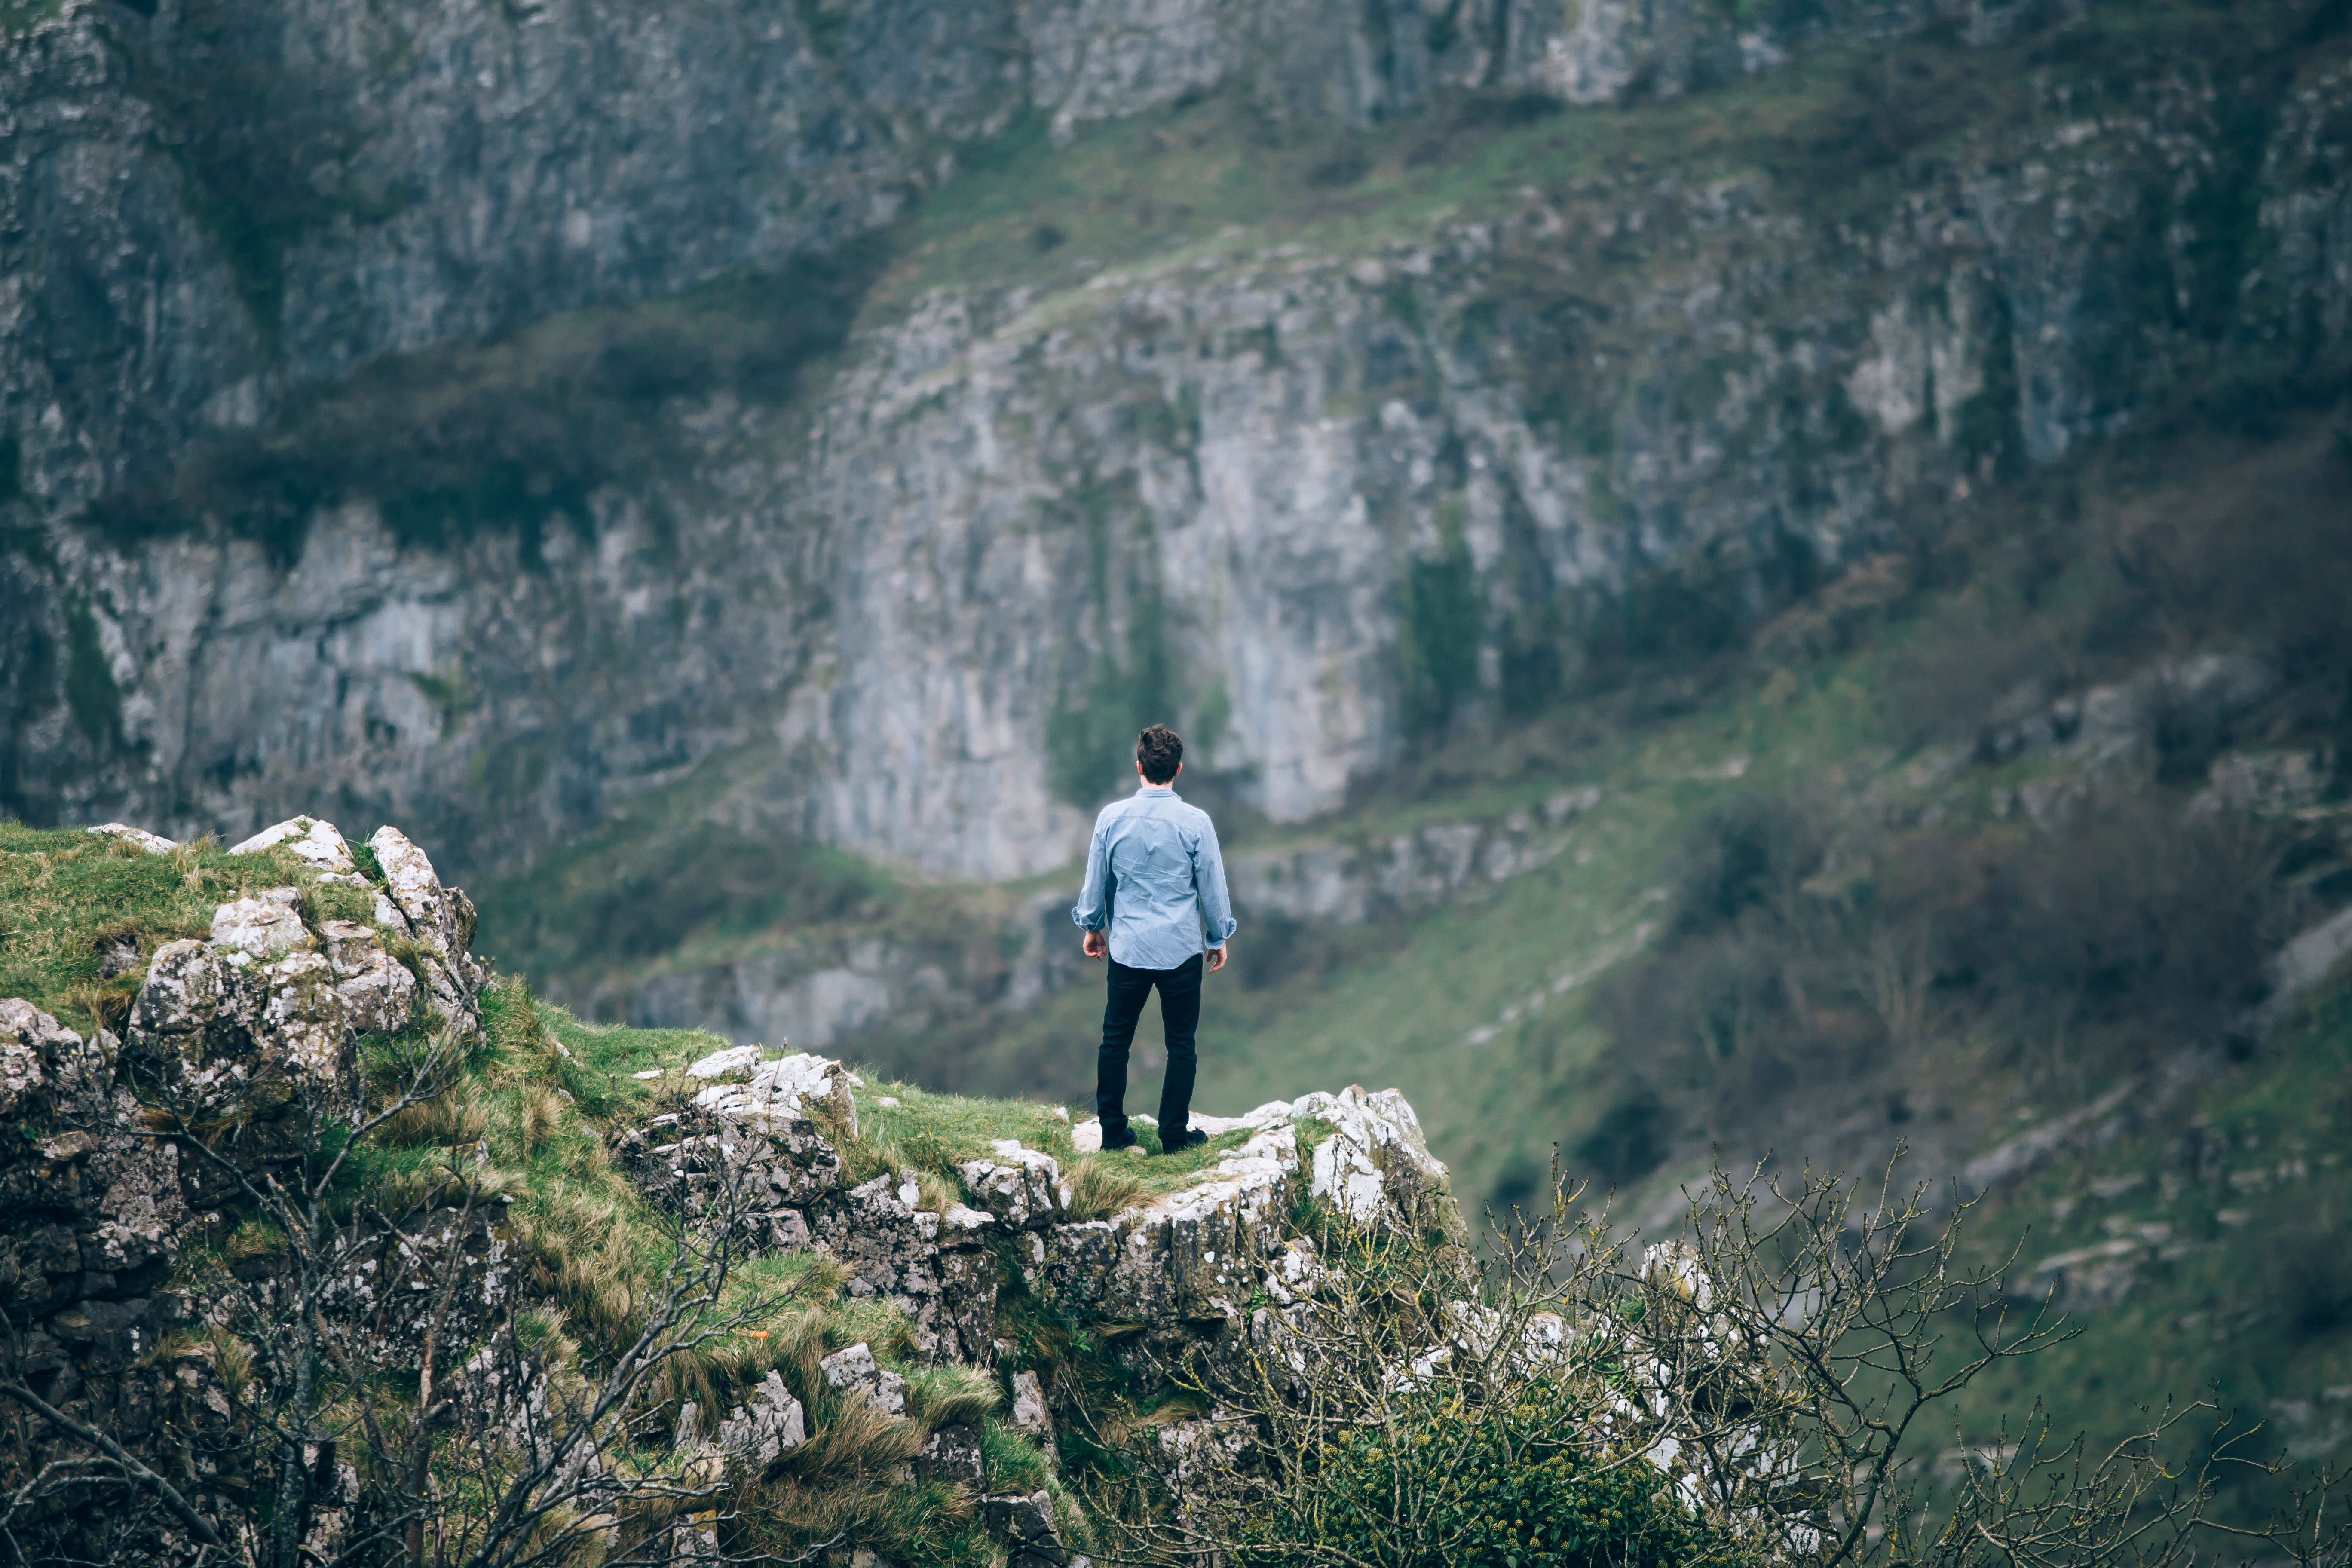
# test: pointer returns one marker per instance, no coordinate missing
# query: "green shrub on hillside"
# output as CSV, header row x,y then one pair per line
x,y
1511,1485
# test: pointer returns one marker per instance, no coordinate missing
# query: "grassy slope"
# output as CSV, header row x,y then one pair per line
x,y
1394,1004
2251,1180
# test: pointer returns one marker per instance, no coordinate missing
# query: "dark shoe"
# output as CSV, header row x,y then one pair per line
x,y
1124,1138
1193,1137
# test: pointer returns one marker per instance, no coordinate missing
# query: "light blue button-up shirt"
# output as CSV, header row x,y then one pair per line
x,y
1155,878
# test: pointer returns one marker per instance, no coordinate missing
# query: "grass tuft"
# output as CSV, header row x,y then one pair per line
x,y
952,1396
1101,1185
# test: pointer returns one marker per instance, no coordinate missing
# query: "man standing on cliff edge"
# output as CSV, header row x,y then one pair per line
x,y
1155,896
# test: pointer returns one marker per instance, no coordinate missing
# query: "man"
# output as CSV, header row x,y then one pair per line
x,y
1155,885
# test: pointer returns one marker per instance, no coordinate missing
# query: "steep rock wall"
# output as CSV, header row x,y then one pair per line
x,y
206,203
1313,504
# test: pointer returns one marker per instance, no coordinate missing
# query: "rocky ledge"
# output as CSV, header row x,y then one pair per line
x,y
264,1018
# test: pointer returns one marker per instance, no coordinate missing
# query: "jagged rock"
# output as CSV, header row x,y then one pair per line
x,y
788,1087
90,1213
377,992
266,925
234,1031
1376,1167
1025,1526
718,1063
935,1268
1030,1412
439,920
239,1017
951,1456
315,842
194,1024
1023,1188
768,1426
302,1014
854,1372
773,1166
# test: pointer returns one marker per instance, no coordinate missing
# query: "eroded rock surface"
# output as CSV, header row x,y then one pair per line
x,y
1183,1265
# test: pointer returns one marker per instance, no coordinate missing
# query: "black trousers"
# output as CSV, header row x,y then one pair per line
x,y
1180,1017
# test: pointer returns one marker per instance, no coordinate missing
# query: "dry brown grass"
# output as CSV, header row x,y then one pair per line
x,y
952,1396
1101,1185
456,1119
540,1117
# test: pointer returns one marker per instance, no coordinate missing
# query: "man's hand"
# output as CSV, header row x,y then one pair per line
x,y
1217,955
1096,945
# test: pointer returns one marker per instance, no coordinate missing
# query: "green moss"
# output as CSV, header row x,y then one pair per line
x,y
825,25
91,695
1442,619
23,16
513,436
1097,712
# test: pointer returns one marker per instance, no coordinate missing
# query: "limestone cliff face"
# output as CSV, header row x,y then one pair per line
x,y
210,203
1310,504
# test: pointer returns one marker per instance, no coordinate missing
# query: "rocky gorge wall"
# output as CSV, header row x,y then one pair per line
x,y
1311,502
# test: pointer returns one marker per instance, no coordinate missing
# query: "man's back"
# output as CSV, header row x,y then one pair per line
x,y
1156,878
1155,881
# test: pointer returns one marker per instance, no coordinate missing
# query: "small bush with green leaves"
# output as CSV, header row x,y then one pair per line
x,y
1511,1485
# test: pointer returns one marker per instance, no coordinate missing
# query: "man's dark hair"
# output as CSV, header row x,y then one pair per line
x,y
1161,753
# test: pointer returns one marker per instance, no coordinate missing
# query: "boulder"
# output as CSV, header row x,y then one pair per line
x,y
789,1087
266,925
240,1036
1022,1188
1031,1414
719,1064
854,1371
377,992
439,920
763,1428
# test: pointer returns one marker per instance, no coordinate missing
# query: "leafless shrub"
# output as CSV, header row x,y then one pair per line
x,y
1756,1390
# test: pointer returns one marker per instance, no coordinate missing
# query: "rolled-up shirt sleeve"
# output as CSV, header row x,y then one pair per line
x,y
1209,884
1092,911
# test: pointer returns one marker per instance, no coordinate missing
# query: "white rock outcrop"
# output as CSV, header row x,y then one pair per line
x,y
1022,1188
153,843
269,999
317,843
438,922
765,1427
854,1372
780,1090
